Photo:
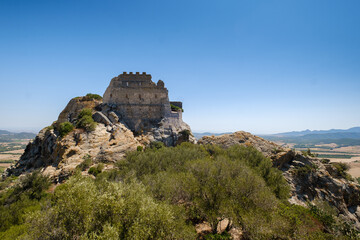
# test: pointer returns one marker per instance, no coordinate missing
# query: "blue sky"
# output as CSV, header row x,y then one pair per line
x,y
259,66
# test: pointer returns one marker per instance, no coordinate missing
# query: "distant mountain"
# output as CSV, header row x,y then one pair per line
x,y
2,132
6,136
306,132
342,137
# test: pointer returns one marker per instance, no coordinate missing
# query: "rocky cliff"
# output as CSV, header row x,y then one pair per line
x,y
310,179
110,140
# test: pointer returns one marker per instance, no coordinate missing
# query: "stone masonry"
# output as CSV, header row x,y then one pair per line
x,y
138,101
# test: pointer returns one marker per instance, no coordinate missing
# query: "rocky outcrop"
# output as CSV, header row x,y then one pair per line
x,y
74,107
58,156
279,155
310,180
170,131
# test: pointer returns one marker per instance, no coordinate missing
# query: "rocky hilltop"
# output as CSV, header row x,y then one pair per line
x,y
310,178
113,133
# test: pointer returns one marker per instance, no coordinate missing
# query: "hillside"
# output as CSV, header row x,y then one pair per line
x,y
97,174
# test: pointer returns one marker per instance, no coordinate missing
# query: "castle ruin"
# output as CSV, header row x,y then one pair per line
x,y
139,102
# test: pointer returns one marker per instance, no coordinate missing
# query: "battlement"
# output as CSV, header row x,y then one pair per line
x,y
143,77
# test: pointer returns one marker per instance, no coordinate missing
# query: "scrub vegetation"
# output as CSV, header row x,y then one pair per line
x,y
162,193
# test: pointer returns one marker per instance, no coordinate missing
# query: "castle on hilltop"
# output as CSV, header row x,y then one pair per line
x,y
140,102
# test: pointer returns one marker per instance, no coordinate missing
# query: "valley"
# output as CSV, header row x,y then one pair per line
x,y
12,146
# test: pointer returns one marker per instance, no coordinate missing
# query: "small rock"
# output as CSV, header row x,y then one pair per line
x,y
222,225
203,228
236,234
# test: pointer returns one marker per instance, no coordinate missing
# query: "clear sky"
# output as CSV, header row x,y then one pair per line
x,y
260,66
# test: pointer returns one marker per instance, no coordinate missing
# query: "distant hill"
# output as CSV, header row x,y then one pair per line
x,y
6,136
342,137
307,132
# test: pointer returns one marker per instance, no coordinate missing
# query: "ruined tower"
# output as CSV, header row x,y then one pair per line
x,y
138,101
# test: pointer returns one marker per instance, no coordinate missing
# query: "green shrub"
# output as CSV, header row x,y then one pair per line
x,y
341,169
83,208
139,148
85,120
85,164
239,183
186,134
157,145
305,170
65,128
85,112
325,161
308,153
49,128
93,96
223,236
16,202
176,108
96,169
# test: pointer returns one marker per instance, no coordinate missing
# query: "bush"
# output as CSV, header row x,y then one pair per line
x,y
176,108
239,183
157,145
93,96
96,169
341,169
16,202
308,153
325,161
85,112
139,148
85,120
304,171
65,128
186,134
85,164
83,208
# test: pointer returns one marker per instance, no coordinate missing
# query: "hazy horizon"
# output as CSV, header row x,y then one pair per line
x,y
257,66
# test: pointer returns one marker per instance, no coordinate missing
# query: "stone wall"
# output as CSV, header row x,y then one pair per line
x,y
140,103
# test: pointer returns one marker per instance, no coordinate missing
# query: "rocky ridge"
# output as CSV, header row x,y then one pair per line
x,y
310,179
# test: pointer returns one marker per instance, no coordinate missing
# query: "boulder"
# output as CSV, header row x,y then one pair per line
x,y
113,117
101,118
